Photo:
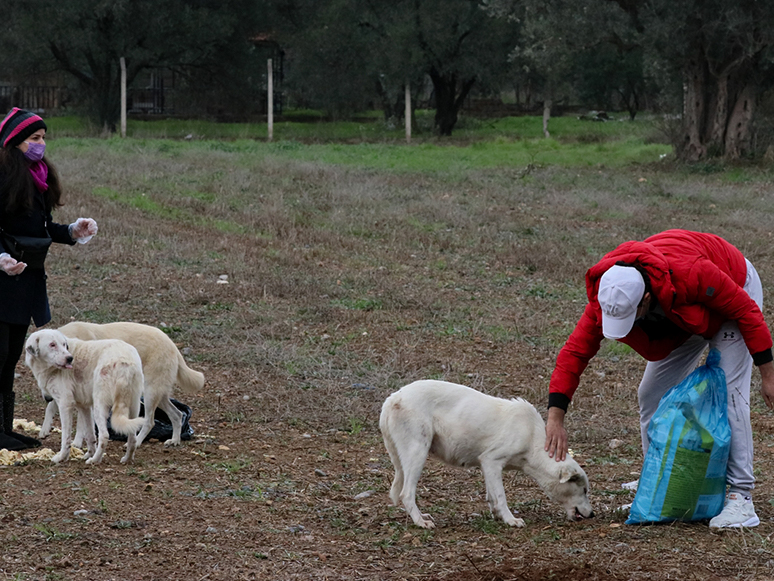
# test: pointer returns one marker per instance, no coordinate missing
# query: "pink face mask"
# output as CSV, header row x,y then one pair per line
x,y
35,151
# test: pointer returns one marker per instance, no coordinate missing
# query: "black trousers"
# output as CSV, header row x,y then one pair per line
x,y
11,346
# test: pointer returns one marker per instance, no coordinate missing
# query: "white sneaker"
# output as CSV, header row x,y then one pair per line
x,y
631,485
737,512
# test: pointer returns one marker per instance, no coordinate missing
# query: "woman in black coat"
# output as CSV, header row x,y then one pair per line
x,y
29,192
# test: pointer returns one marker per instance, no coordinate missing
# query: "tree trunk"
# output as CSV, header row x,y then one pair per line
x,y
392,104
108,108
448,101
718,108
692,148
631,99
738,141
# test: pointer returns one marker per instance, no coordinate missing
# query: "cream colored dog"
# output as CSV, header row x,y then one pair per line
x,y
100,379
163,367
464,427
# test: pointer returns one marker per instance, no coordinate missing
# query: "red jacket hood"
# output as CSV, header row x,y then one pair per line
x,y
648,257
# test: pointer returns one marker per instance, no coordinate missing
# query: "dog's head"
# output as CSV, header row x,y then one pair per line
x,y
571,489
49,348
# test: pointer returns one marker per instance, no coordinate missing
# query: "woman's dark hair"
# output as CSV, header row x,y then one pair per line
x,y
17,187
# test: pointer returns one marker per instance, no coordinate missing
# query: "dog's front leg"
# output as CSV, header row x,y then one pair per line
x,y
495,493
85,430
82,428
48,420
65,406
80,436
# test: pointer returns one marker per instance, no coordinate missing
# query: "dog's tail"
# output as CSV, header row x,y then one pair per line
x,y
190,381
120,422
128,381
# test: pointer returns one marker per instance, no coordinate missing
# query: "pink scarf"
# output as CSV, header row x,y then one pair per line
x,y
39,171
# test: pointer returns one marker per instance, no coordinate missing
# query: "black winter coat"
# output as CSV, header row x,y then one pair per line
x,y
23,297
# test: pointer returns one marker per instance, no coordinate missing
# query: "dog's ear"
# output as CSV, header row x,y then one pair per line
x,y
568,474
34,348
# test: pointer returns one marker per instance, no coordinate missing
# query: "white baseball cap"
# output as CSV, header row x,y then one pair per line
x,y
621,289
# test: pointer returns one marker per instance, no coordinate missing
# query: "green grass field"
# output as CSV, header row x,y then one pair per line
x,y
513,142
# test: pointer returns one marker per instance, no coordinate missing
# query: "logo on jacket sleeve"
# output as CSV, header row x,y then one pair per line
x,y
710,291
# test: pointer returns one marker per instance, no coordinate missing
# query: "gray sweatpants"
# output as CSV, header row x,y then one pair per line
x,y
736,362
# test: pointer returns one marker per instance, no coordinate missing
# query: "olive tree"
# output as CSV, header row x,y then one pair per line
x,y
86,38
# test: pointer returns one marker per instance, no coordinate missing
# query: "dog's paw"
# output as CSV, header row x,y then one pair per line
x,y
426,522
515,522
44,434
93,460
61,457
172,442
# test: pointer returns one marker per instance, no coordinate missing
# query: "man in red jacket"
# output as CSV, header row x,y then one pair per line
x,y
669,298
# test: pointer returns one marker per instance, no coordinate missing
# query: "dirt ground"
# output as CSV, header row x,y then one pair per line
x,y
273,502
242,501
286,476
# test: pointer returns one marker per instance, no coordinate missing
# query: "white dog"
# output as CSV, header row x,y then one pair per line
x,y
464,427
162,364
98,378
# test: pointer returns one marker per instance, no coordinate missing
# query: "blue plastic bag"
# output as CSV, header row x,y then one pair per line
x,y
684,472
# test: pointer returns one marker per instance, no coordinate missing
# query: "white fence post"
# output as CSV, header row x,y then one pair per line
x,y
546,117
123,96
407,113
270,102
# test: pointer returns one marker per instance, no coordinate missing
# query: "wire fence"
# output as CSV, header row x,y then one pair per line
x,y
33,98
157,99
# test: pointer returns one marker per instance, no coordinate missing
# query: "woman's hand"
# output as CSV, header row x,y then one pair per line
x,y
10,265
83,229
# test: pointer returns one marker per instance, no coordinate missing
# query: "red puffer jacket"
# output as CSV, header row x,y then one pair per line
x,y
698,280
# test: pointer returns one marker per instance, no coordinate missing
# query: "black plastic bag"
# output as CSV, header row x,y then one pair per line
x,y
162,429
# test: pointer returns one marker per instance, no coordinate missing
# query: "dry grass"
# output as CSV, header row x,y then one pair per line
x,y
343,285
